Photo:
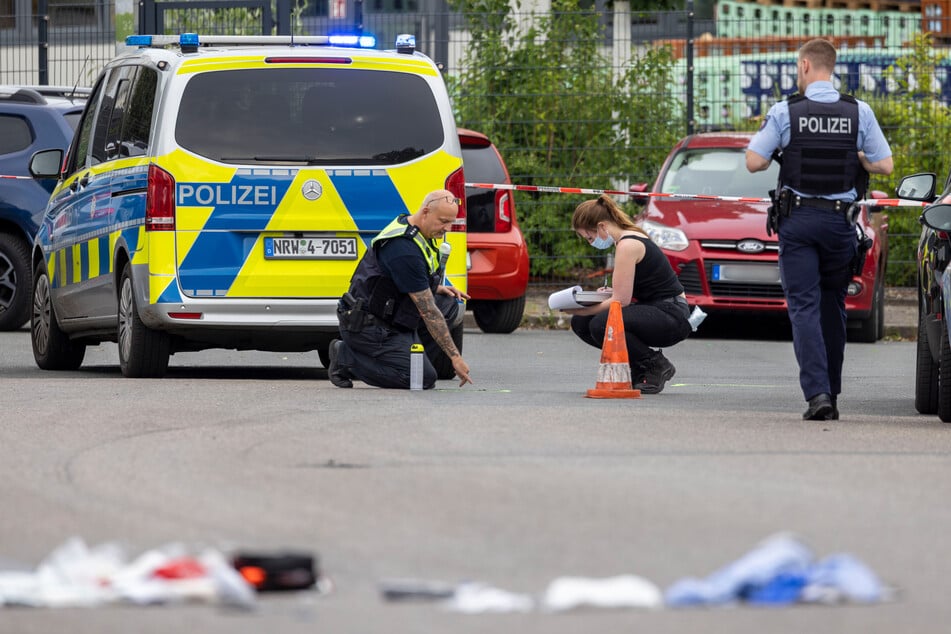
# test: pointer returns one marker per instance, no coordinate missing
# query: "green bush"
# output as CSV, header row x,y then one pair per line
x,y
562,115
914,119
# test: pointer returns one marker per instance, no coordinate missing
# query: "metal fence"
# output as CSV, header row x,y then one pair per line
x,y
727,69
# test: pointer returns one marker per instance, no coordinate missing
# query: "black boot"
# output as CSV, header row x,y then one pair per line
x,y
820,408
654,373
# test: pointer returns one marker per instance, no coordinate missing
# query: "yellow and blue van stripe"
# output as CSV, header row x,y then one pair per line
x,y
221,220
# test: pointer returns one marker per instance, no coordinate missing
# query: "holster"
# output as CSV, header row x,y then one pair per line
x,y
863,245
772,214
351,315
779,209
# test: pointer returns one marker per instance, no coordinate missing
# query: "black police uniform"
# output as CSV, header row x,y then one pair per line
x,y
817,242
379,323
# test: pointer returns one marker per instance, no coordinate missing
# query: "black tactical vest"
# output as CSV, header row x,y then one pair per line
x,y
822,157
381,297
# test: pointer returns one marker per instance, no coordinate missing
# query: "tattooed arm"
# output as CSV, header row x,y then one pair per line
x,y
436,325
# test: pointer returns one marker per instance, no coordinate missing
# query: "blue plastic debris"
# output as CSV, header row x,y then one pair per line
x,y
781,571
842,577
779,554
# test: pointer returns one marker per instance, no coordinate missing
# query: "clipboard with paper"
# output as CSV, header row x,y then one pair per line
x,y
576,297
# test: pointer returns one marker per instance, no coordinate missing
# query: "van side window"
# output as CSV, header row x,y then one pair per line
x,y
138,126
79,150
108,126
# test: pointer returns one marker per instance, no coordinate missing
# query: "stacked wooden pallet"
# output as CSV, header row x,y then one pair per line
x,y
907,6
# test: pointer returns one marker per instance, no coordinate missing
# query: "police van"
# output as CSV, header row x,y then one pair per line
x,y
220,191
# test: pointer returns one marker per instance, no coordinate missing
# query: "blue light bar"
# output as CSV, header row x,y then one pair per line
x,y
138,40
188,40
353,41
405,41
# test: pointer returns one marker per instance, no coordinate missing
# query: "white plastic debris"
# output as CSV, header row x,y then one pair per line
x,y
478,598
623,591
74,575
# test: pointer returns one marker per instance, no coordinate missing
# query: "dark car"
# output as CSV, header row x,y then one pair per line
x,y
719,247
498,254
32,118
933,357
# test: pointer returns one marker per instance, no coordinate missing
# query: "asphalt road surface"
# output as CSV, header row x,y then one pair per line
x,y
513,482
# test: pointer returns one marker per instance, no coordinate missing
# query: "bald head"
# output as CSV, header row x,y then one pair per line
x,y
437,213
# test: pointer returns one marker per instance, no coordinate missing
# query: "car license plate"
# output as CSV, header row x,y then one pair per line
x,y
746,273
310,248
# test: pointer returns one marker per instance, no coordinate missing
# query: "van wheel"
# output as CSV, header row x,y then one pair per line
x,y
926,375
52,349
14,282
944,378
143,352
499,316
441,362
323,353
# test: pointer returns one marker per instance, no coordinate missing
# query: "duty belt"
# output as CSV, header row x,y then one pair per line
x,y
821,203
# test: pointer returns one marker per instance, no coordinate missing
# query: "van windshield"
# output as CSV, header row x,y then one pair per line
x,y
309,116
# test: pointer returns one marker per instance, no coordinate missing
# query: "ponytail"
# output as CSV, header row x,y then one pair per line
x,y
588,214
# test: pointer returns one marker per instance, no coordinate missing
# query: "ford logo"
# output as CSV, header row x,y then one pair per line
x,y
750,246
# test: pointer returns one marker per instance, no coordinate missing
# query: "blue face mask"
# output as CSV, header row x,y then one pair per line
x,y
602,243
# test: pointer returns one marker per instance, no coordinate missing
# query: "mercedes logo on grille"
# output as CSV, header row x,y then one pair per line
x,y
312,190
750,246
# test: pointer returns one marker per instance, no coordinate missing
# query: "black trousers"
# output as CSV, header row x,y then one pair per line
x,y
379,355
646,325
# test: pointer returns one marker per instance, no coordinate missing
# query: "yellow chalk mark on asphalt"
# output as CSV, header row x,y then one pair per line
x,y
721,385
471,389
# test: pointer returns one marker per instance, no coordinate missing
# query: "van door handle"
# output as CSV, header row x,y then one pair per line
x,y
82,181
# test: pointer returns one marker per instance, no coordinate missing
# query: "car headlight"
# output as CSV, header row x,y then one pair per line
x,y
665,237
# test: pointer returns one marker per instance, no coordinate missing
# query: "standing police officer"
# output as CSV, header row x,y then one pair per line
x,y
829,143
396,288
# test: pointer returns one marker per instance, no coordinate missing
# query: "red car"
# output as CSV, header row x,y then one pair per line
x,y
498,255
720,249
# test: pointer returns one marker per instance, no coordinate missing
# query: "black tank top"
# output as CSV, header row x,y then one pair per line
x,y
654,279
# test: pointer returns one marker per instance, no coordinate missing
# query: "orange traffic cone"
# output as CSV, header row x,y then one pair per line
x,y
614,374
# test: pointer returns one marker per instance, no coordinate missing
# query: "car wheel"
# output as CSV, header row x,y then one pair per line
x,y
926,376
14,282
441,362
872,329
881,312
143,352
52,349
944,378
499,316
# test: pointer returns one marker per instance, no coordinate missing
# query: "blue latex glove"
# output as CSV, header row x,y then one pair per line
x,y
842,577
779,554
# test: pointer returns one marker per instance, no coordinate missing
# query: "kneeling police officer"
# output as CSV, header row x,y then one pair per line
x,y
829,143
397,288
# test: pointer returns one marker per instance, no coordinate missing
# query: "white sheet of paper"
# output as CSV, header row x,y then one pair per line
x,y
575,297
564,299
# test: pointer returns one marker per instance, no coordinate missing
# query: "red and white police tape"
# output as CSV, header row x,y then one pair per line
x,y
879,202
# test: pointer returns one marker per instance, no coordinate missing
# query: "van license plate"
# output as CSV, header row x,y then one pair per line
x,y
325,248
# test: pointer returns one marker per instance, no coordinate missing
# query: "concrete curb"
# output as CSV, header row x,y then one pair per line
x,y
901,314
